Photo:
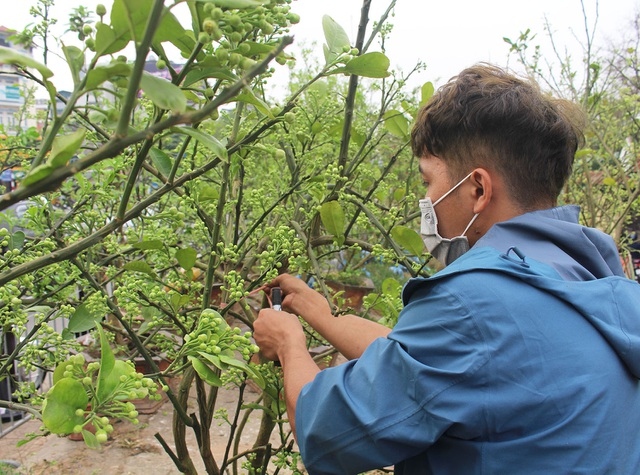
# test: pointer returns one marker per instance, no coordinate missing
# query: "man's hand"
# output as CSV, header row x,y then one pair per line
x,y
349,334
280,337
276,331
300,299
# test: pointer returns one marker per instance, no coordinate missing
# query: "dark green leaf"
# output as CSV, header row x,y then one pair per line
x,y
213,359
250,98
36,174
333,218
104,385
396,123
233,362
240,4
131,16
139,266
150,244
162,161
207,140
216,72
110,41
62,401
207,374
82,320
11,56
391,286
75,60
186,257
408,239
369,65
64,148
100,74
16,241
172,31
163,93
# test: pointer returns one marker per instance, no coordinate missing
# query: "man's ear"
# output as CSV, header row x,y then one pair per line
x,y
483,183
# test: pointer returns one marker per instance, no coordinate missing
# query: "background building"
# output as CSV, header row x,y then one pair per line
x,y
12,89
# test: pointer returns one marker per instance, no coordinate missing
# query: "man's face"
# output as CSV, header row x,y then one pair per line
x,y
454,212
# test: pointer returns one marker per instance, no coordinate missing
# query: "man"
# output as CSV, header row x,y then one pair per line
x,y
521,356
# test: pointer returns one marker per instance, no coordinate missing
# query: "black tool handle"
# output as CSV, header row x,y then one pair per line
x,y
276,298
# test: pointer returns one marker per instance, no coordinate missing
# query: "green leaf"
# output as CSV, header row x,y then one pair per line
x,y
75,60
333,219
369,65
100,74
585,152
250,98
213,359
399,194
426,92
62,401
162,161
178,300
131,16
608,181
109,40
336,37
16,241
208,193
150,244
391,286
396,123
90,439
82,320
36,174
10,56
64,148
186,257
256,377
104,385
58,372
207,140
240,4
408,239
163,93
207,374
172,31
199,73
139,266
233,362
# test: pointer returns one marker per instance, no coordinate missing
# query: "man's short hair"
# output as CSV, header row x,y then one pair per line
x,y
487,117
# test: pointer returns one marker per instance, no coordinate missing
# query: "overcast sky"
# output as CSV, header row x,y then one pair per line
x,y
447,35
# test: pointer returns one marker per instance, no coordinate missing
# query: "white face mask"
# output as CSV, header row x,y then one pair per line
x,y
444,250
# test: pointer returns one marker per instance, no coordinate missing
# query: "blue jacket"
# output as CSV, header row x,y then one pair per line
x,y
508,361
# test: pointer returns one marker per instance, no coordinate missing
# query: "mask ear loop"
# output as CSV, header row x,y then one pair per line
x,y
453,189
464,233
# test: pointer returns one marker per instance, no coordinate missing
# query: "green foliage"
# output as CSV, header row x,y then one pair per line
x,y
160,207
606,171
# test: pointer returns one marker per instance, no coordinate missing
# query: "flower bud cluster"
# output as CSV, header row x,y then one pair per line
x,y
231,30
131,385
283,246
214,336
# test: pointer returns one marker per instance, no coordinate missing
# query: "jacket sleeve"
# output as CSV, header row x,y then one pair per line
x,y
403,393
